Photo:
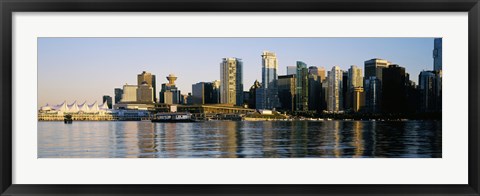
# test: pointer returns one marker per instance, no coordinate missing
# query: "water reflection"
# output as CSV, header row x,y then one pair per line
x,y
229,139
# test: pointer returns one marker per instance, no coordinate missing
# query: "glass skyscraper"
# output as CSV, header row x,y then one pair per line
x,y
437,54
267,97
301,87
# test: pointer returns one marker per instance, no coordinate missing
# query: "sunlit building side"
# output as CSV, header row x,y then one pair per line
x,y
231,79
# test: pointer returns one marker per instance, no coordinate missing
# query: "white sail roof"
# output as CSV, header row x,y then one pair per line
x,y
104,106
94,107
73,107
63,107
84,107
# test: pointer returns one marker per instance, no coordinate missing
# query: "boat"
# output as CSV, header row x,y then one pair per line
x,y
67,119
173,117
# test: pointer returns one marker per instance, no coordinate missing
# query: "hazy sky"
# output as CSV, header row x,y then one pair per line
x,y
87,68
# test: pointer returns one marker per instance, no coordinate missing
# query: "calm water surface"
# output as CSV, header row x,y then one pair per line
x,y
242,139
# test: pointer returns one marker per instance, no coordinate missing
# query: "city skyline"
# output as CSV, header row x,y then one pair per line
x,y
69,67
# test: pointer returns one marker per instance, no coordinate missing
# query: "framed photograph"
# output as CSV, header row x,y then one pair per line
x,y
239,97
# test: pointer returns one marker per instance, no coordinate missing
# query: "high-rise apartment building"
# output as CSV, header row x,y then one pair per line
x,y
437,54
301,89
268,93
355,79
150,79
335,90
231,78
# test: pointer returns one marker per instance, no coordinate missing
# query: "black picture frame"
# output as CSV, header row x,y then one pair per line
x,y
7,7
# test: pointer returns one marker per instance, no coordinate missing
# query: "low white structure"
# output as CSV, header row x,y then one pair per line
x,y
78,111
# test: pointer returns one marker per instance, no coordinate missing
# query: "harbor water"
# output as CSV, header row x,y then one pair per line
x,y
240,139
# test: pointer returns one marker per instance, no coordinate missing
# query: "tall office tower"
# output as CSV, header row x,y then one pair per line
x,y
394,89
355,79
253,94
246,98
323,95
345,83
118,95
268,94
372,88
358,99
129,93
321,73
413,97
151,80
170,93
301,87
374,67
231,79
335,90
430,95
144,93
438,90
107,99
216,91
291,70
286,92
437,54
203,93
314,89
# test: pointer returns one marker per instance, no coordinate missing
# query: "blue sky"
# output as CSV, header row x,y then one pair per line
x,y
88,68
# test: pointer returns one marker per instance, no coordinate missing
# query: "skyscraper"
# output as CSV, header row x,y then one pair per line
x,y
203,93
345,84
334,90
216,91
355,79
358,99
301,94
372,89
170,93
321,73
108,99
374,67
437,54
268,93
286,92
118,95
144,93
291,70
314,89
253,94
129,93
151,81
394,89
231,78
430,95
